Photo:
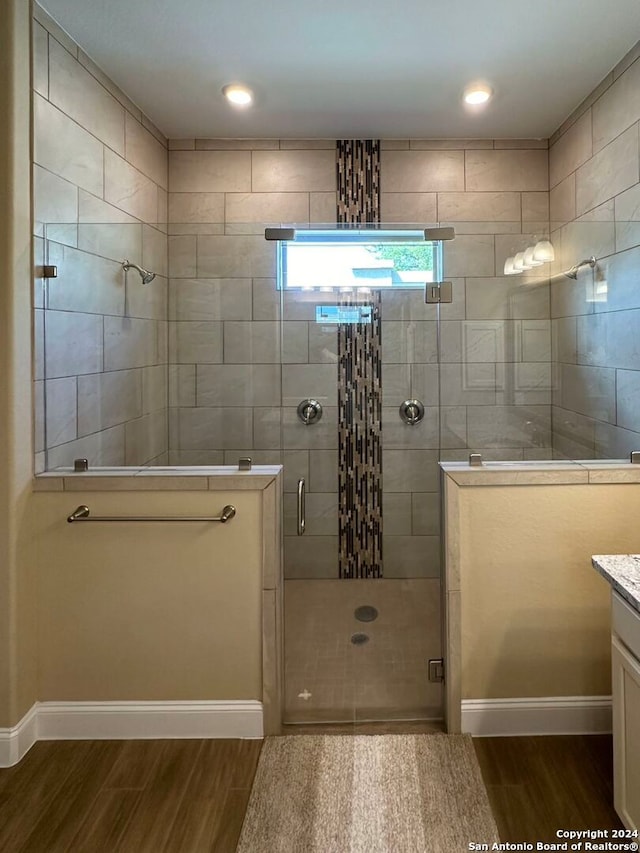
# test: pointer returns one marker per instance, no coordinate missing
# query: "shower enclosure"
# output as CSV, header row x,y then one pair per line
x,y
209,361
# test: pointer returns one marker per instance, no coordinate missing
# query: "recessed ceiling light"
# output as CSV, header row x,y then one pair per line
x,y
238,95
477,93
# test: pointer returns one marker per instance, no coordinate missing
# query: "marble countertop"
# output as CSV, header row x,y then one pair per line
x,y
623,573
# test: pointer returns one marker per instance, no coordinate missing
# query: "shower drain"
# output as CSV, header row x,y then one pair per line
x,y
366,613
359,639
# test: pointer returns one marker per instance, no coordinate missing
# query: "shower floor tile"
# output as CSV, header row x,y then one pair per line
x,y
328,678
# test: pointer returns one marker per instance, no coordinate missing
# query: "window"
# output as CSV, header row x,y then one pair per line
x,y
357,260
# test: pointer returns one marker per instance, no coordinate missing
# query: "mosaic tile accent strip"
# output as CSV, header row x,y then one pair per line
x,y
358,165
359,382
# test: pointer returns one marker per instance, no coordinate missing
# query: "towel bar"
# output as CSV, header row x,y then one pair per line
x,y
81,513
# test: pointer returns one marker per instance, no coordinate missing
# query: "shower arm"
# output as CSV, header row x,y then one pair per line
x,y
587,262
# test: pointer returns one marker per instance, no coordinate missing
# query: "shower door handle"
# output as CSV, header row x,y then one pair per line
x,y
301,508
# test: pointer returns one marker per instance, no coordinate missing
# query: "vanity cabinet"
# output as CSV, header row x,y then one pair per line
x,y
625,659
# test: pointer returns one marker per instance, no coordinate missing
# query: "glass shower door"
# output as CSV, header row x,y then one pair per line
x,y
362,588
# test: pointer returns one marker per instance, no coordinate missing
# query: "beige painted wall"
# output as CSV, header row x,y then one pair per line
x,y
535,614
17,598
148,611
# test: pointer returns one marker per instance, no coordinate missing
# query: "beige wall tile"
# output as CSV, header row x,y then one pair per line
x,y
628,399
509,426
108,84
627,205
40,60
581,109
74,343
85,282
238,385
154,250
236,144
181,144
145,438
214,428
182,257
571,150
182,384
154,388
196,207
66,149
195,343
251,342
129,343
535,207
440,144
107,399
104,448
293,171
267,208
520,143
210,299
611,171
408,208
148,301
422,171
78,94
322,208
94,210
627,217
505,298
319,381
163,208
144,152
583,239
506,170
588,391
562,201
618,108
51,26
116,242
394,144
469,255
127,188
210,171
154,130
236,257
61,410
478,206
54,199
307,144
38,417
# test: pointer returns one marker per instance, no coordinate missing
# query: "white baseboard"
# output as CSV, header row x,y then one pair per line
x,y
130,721
552,715
18,740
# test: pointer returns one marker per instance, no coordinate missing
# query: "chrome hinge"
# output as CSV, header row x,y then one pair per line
x,y
634,457
436,669
438,292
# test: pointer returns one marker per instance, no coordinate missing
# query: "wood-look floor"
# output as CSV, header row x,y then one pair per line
x,y
190,796
538,785
178,796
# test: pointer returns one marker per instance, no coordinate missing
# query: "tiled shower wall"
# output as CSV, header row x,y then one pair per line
x,y
227,387
595,210
100,196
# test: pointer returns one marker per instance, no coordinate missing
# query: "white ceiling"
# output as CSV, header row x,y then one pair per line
x,y
342,69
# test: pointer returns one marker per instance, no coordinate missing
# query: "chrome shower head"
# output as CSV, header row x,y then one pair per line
x,y
145,275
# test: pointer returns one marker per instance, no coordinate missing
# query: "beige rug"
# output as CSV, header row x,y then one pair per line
x,y
367,794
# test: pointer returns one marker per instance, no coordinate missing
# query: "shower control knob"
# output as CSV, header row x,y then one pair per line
x,y
412,412
309,411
